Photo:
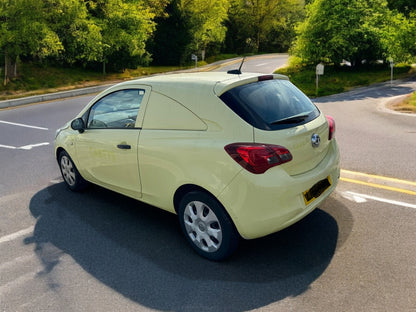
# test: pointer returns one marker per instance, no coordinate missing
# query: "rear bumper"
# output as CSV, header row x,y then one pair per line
x,y
263,204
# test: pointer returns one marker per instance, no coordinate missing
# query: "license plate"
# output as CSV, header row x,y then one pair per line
x,y
315,191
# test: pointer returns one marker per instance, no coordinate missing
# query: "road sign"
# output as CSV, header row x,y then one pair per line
x,y
320,69
195,58
319,72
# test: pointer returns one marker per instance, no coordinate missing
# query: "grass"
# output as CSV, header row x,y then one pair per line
x,y
34,79
340,79
407,105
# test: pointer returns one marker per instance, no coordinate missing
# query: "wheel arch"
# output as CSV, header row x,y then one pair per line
x,y
187,188
184,189
59,150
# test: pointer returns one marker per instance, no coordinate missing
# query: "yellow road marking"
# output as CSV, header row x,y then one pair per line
x,y
346,172
386,187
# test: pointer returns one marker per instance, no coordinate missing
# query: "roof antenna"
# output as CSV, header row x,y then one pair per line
x,y
237,71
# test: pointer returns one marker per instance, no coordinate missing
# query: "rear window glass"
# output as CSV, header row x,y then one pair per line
x,y
271,104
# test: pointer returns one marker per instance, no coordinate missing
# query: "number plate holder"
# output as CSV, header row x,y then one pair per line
x,y
315,191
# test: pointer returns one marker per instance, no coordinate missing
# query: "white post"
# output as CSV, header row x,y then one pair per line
x,y
319,71
195,57
391,71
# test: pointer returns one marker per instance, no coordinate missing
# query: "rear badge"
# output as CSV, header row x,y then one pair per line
x,y
316,140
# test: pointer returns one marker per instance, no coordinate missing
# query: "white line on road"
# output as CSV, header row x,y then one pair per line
x,y
16,235
362,198
23,125
262,64
8,146
30,146
25,147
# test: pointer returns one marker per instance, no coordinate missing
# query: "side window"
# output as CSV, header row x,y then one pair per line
x,y
116,110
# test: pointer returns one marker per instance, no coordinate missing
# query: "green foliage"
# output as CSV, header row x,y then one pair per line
x,y
169,44
399,37
118,34
78,31
262,25
339,79
206,22
341,29
24,30
124,27
80,36
35,78
356,31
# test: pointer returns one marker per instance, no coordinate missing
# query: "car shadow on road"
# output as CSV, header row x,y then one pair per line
x,y
139,252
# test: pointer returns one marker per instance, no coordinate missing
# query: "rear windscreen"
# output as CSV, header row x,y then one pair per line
x,y
271,104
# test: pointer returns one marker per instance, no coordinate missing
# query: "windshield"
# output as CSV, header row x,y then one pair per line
x,y
271,104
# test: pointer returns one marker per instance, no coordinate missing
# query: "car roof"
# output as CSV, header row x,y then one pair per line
x,y
220,82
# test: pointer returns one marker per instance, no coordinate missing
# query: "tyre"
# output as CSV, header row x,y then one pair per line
x,y
207,226
70,173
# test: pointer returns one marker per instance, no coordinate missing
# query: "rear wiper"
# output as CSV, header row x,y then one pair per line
x,y
290,120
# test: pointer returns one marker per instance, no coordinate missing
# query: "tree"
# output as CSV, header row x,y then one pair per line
x,y
341,29
125,26
206,20
399,37
262,25
169,45
24,32
79,35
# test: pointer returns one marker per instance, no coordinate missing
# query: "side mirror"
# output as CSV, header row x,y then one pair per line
x,y
78,124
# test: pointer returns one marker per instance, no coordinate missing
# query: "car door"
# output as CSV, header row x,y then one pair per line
x,y
107,151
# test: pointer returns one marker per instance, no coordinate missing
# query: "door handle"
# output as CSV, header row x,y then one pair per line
x,y
124,146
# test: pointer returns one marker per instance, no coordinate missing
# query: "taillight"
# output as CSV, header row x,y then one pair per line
x,y
331,123
256,157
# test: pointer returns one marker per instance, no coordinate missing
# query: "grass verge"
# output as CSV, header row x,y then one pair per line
x,y
341,79
35,79
407,105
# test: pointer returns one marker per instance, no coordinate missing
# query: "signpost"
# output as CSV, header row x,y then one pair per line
x,y
195,58
319,71
391,70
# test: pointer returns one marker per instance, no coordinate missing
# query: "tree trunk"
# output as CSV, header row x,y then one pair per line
x,y
10,68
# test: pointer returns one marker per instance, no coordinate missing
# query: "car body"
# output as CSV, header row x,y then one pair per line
x,y
234,155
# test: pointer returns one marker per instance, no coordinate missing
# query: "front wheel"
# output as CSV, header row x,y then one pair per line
x,y
207,226
72,178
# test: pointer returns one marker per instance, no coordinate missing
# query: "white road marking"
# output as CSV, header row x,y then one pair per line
x,y
23,125
262,64
29,147
16,235
362,198
8,146
25,147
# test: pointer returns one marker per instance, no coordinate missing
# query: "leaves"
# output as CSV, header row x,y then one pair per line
x,y
124,33
353,30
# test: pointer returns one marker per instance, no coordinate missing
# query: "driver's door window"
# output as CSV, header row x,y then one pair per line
x,y
117,110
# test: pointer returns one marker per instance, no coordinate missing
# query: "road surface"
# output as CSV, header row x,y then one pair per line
x,y
99,251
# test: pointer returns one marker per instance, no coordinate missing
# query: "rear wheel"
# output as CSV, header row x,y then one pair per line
x,y
70,173
207,226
